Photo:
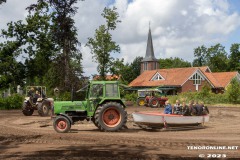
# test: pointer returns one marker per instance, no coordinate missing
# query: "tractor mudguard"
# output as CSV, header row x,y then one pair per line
x,y
65,115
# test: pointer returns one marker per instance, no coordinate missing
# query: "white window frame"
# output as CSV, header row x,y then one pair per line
x,y
157,76
197,78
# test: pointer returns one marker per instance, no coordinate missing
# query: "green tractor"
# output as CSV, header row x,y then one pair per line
x,y
103,106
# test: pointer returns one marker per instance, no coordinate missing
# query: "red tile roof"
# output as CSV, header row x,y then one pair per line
x,y
224,78
172,77
178,76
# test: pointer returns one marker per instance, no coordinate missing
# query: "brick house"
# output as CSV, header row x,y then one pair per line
x,y
177,80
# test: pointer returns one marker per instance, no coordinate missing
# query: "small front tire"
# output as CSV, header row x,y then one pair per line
x,y
141,102
61,124
26,110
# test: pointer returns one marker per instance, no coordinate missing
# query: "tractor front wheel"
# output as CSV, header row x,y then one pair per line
x,y
26,109
110,117
44,108
61,124
141,102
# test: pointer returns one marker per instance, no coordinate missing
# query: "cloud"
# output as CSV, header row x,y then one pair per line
x,y
177,26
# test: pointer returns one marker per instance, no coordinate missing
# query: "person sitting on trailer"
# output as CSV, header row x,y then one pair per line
x,y
185,109
168,108
192,109
204,109
177,109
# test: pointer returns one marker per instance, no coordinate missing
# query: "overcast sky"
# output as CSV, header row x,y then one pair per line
x,y
178,26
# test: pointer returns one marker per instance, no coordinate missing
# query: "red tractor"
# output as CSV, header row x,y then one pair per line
x,y
151,97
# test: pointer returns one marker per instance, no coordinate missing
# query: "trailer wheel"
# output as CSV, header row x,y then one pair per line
x,y
110,117
154,102
61,124
26,110
43,108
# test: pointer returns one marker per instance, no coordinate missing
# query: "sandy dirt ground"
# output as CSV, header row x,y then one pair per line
x,y
33,137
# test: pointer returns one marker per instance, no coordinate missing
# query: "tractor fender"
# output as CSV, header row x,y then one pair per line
x,y
115,100
68,117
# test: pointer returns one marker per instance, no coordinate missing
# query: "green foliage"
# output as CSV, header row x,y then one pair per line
x,y
12,102
209,98
102,44
233,91
234,58
173,63
215,57
131,96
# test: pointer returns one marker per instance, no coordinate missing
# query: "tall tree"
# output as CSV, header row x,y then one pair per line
x,y
34,41
234,58
173,63
217,58
65,36
201,56
102,44
11,71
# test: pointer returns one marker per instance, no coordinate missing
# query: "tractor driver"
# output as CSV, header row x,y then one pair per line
x,y
31,92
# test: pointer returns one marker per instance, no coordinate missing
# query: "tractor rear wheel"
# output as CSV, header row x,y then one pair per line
x,y
26,109
43,108
110,117
61,124
141,102
154,102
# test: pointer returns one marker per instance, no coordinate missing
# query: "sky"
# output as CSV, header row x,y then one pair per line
x,y
177,26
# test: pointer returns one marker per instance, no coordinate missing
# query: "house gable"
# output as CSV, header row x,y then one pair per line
x,y
198,76
157,76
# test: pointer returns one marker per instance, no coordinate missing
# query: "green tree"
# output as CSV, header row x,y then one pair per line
x,y
233,91
201,56
234,58
64,35
102,44
173,63
217,58
11,71
48,37
33,40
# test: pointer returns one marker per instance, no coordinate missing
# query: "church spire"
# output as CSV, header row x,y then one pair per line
x,y
149,51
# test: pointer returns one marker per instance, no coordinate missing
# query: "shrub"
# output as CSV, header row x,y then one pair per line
x,y
13,102
131,97
233,91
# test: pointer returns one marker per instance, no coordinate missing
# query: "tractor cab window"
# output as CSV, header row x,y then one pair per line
x,y
96,91
111,90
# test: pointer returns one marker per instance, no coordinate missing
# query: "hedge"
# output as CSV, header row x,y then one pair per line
x,y
12,102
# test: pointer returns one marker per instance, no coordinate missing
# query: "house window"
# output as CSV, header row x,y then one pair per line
x,y
145,67
157,77
197,78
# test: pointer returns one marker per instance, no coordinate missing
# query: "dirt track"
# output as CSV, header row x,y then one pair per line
x,y
34,138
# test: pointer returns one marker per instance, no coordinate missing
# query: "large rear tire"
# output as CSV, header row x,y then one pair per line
x,y
141,102
61,124
27,111
44,108
154,103
110,117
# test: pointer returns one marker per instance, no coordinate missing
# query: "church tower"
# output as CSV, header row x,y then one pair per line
x,y
149,62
